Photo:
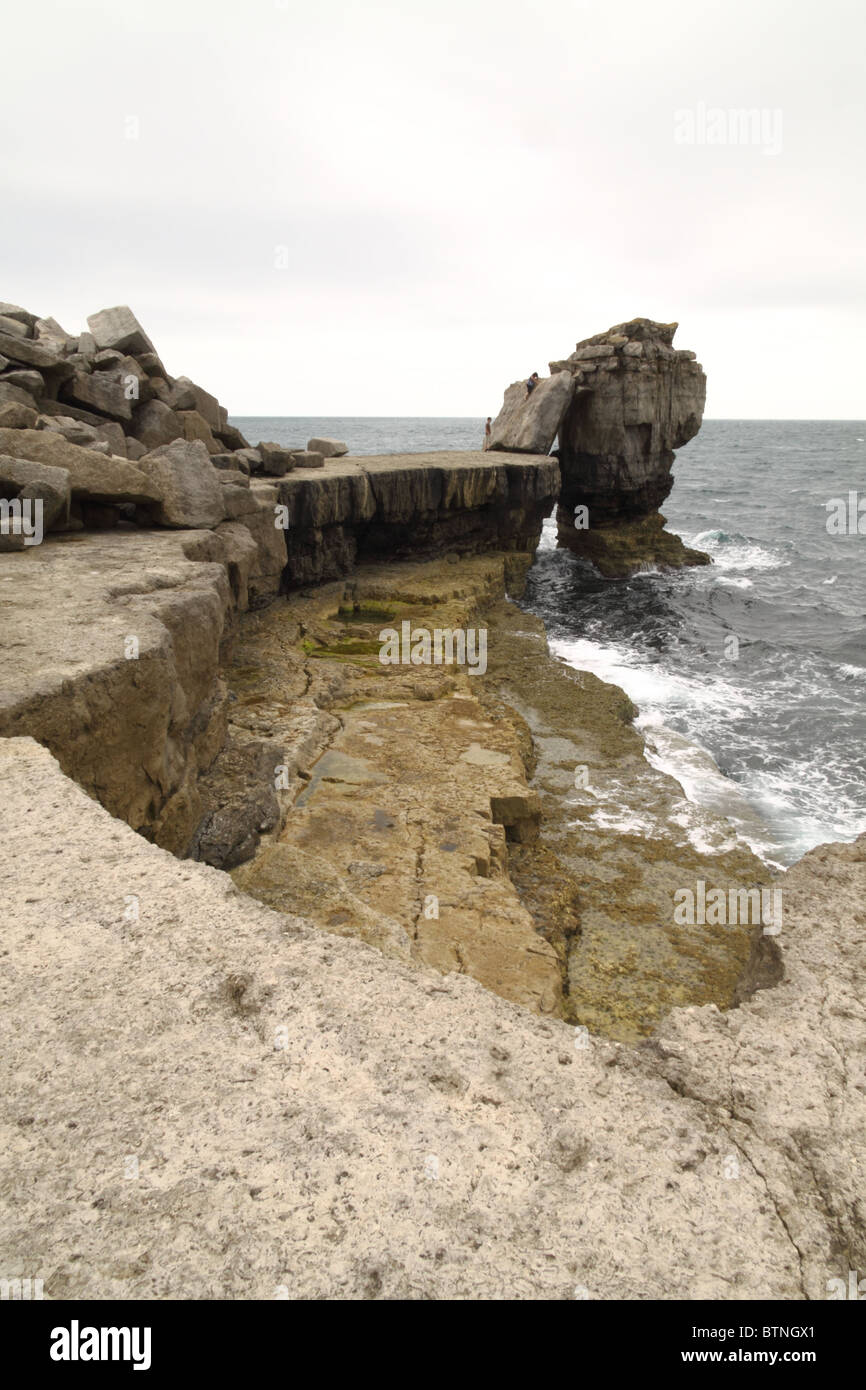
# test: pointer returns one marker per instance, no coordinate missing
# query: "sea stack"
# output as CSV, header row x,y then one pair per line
x,y
620,405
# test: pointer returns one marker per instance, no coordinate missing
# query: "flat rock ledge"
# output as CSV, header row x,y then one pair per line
x,y
203,1098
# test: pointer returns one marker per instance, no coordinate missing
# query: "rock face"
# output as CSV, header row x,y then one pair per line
x,y
722,1160
401,506
188,485
529,423
643,399
620,404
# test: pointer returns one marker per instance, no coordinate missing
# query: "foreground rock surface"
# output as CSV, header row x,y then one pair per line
x,y
203,1098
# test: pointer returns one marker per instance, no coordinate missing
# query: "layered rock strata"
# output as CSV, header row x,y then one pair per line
x,y
620,405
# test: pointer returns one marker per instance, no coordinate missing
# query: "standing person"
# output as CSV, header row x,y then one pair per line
x,y
531,384
487,433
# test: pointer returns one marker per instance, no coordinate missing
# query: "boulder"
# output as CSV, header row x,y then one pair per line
x,y
52,334
150,363
276,460
107,437
13,327
328,448
179,395
232,437
529,424
137,385
107,358
73,430
232,462
134,448
17,314
308,458
102,391
90,474
27,379
251,457
202,401
195,426
230,478
239,502
65,408
24,479
188,483
14,395
155,424
30,353
86,346
17,417
119,328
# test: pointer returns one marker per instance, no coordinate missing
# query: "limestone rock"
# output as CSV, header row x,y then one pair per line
x,y
101,391
309,458
17,315
617,440
155,424
195,426
239,803
14,395
23,479
76,431
189,487
202,401
529,424
276,459
50,332
119,328
90,474
14,416
328,448
20,349
13,327
232,437
25,378
179,395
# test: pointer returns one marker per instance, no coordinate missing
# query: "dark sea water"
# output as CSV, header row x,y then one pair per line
x,y
769,730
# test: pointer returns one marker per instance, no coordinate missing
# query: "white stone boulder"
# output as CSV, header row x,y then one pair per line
x,y
189,483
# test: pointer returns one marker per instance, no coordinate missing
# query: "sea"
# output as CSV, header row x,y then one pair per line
x,y
749,674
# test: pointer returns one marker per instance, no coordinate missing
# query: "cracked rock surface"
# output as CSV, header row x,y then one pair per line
x,y
205,1098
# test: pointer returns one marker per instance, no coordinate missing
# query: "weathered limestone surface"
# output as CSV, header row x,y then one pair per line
x,y
643,399
134,730
328,448
188,485
452,1145
405,505
529,423
404,793
620,404
91,475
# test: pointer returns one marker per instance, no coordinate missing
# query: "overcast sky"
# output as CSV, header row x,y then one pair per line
x,y
398,208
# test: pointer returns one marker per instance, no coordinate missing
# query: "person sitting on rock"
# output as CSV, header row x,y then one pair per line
x,y
487,432
531,384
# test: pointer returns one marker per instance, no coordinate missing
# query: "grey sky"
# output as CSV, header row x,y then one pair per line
x,y
396,209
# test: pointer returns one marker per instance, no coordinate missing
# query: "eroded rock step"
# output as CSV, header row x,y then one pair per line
x,y
412,820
